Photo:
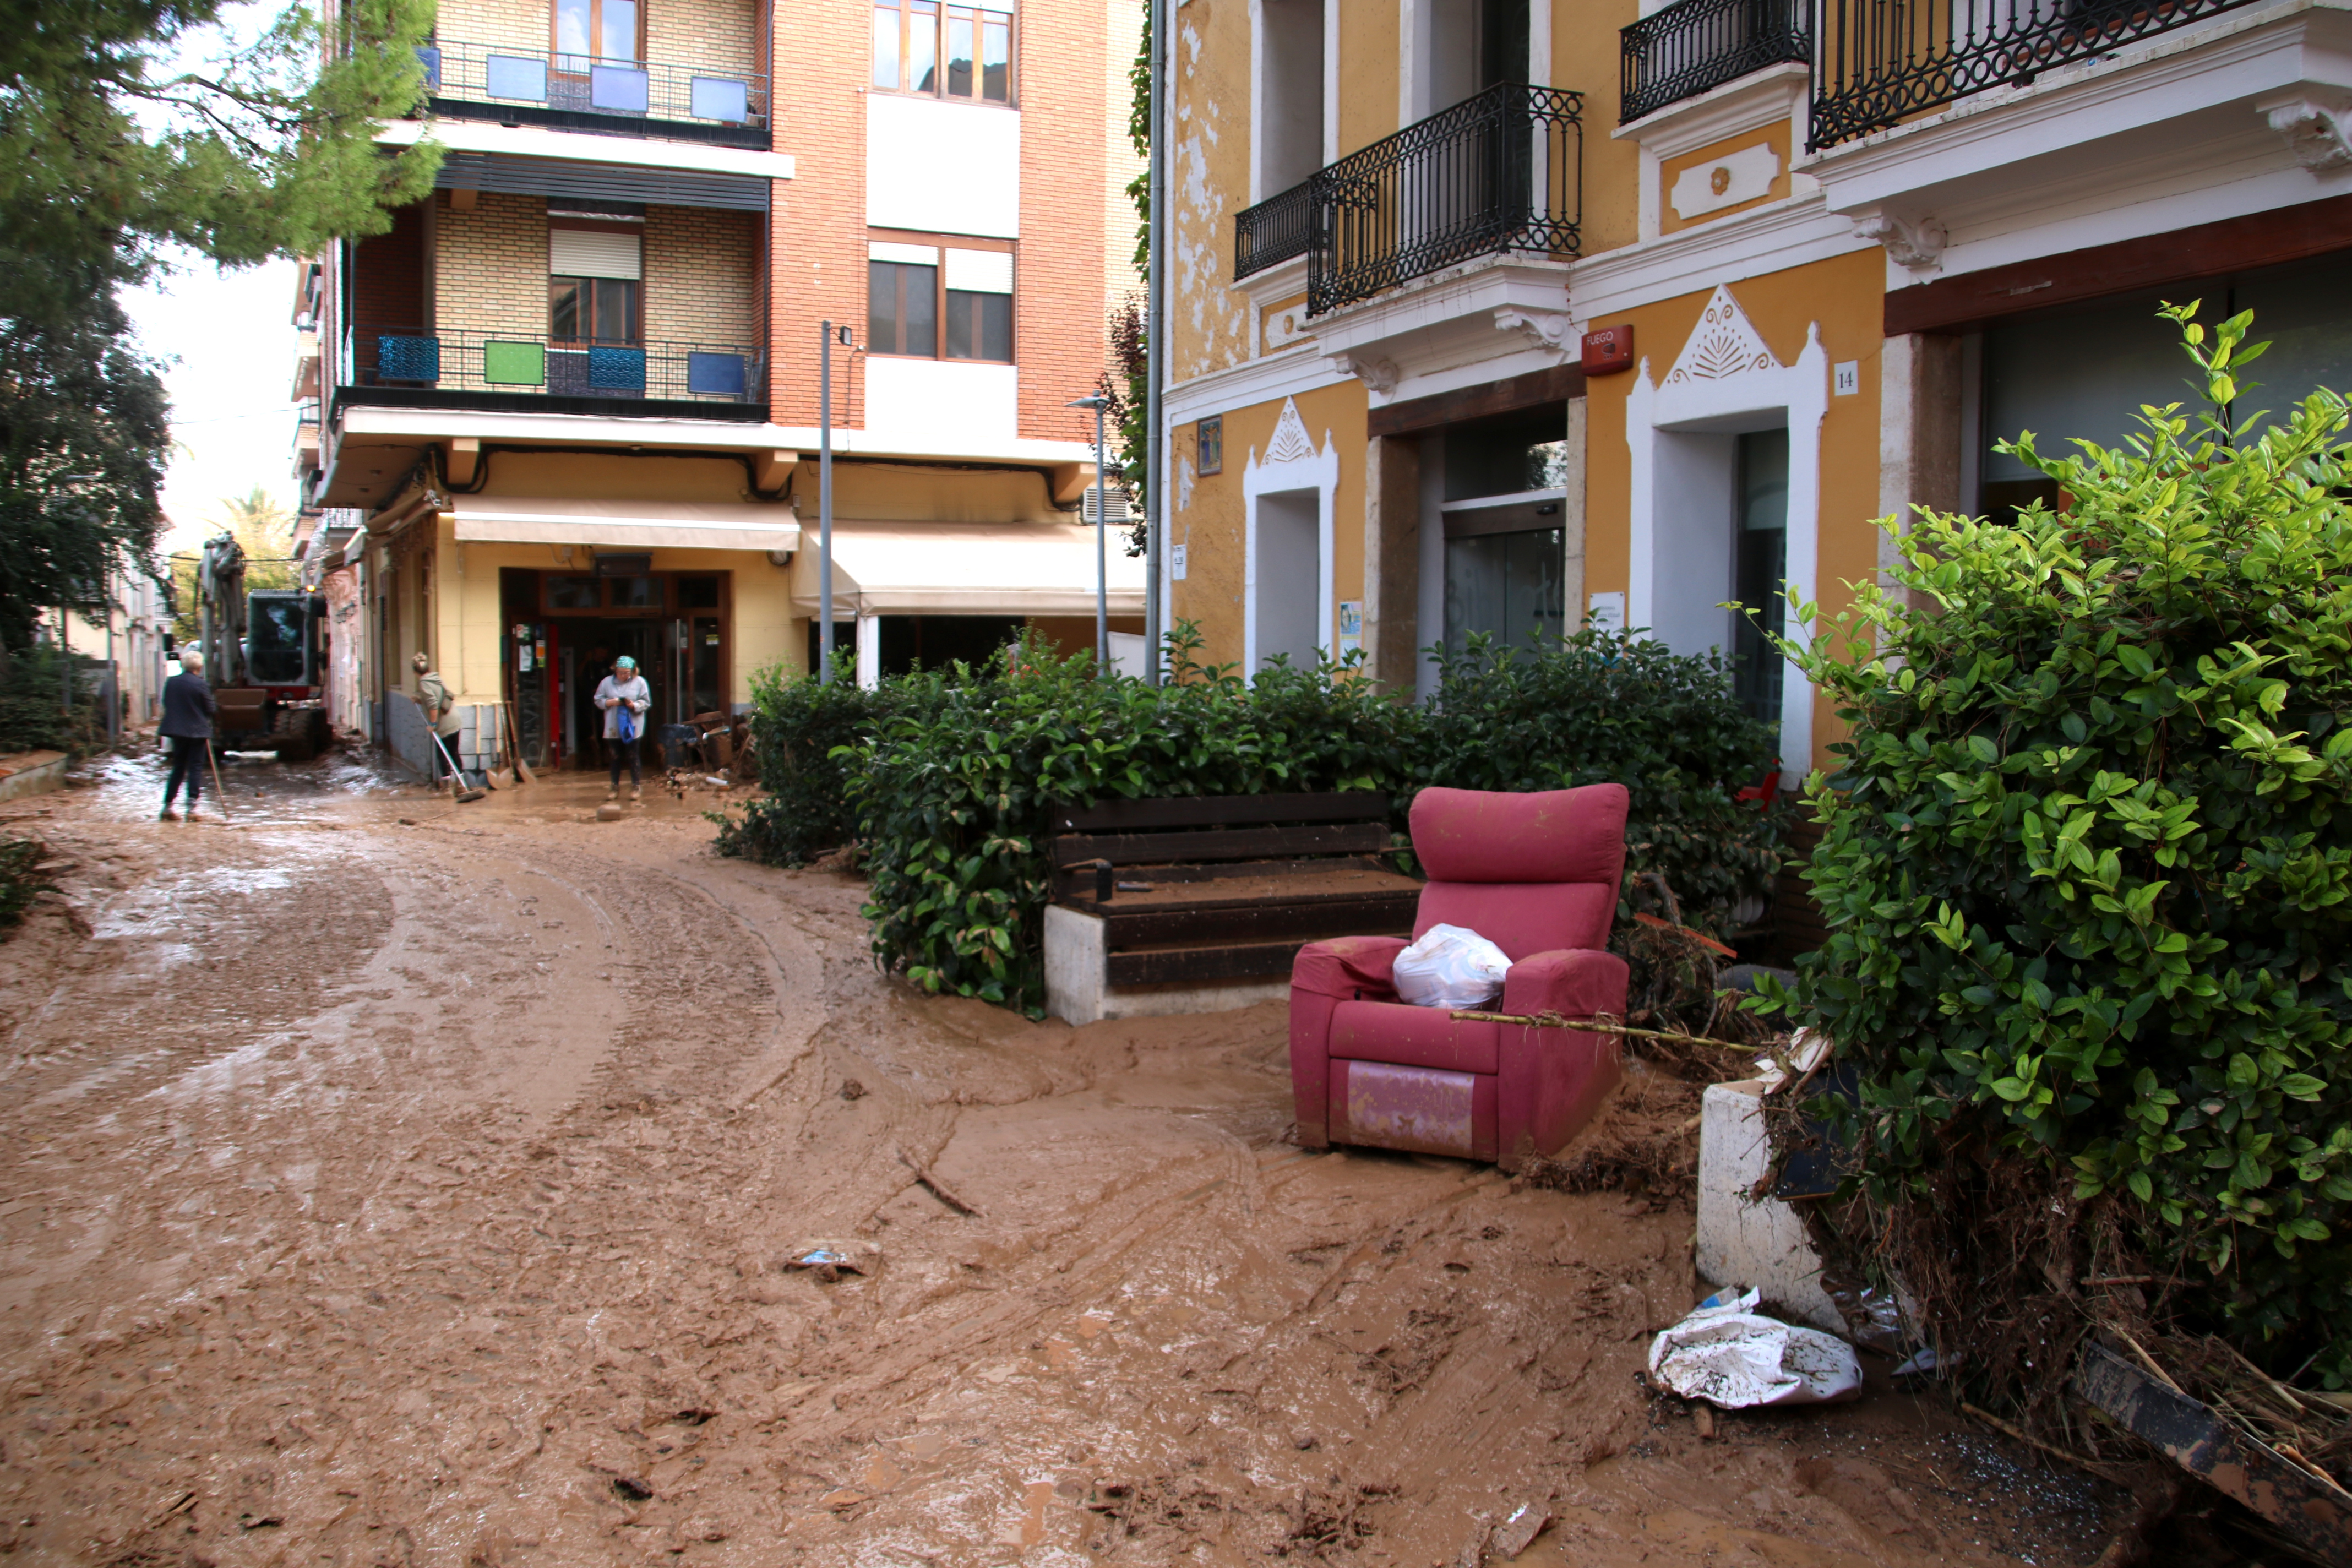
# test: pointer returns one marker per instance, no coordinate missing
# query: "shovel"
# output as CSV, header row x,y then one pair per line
x,y
466,792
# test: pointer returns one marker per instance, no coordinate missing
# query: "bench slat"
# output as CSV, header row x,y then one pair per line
x,y
1220,810
1356,916
1125,850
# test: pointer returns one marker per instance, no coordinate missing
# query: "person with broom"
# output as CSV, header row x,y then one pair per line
x,y
188,709
439,706
625,697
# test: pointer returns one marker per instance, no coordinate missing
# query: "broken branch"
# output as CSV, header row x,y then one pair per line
x,y
939,1188
1598,1023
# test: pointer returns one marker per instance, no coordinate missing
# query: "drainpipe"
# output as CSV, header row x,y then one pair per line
x,y
1155,509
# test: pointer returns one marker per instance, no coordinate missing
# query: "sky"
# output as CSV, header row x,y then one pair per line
x,y
226,340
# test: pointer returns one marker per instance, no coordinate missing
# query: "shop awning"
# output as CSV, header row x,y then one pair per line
x,y
970,569
637,524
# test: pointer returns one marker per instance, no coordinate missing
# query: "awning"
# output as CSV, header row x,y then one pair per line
x,y
969,569
640,524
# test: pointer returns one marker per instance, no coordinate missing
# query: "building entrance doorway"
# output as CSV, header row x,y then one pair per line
x,y
566,630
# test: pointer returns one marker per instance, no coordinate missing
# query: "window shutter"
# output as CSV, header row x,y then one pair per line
x,y
593,253
909,255
980,271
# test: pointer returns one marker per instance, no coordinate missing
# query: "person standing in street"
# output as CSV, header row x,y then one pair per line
x,y
188,708
625,697
440,710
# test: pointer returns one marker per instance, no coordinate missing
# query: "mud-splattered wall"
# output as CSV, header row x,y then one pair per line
x,y
1208,173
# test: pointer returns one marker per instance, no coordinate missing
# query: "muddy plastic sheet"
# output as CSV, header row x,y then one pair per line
x,y
1733,1357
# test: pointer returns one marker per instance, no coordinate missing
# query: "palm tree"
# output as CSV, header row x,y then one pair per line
x,y
263,527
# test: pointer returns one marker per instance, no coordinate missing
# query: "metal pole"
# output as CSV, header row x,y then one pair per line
x,y
1102,561
824,506
1155,509
113,670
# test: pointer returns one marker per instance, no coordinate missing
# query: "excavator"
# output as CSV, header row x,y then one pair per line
x,y
265,656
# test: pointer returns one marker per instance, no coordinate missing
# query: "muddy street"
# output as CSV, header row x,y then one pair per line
x,y
383,1182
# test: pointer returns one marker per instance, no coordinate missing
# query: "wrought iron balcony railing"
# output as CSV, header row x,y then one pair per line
x,y
617,90
1694,45
1879,62
532,363
1498,172
1273,231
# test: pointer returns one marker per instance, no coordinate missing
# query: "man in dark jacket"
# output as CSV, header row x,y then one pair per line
x,y
188,708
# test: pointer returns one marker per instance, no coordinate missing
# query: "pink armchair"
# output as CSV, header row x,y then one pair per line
x,y
1536,875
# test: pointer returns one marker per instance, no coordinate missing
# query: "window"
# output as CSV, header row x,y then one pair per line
x,y
951,51
913,291
591,309
594,29
1211,458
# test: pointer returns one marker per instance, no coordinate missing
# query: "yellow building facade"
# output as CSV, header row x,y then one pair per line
x,y
1494,317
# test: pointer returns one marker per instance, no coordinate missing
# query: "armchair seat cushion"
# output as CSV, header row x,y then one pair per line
x,y
1414,1037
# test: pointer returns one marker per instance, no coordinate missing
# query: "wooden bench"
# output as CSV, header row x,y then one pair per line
x,y
1199,903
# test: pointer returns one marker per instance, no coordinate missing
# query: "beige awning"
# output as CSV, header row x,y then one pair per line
x,y
635,524
970,569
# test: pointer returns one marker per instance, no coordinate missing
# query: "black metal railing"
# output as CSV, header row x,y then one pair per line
x,y
1695,45
534,364
1879,62
1273,231
582,84
1501,171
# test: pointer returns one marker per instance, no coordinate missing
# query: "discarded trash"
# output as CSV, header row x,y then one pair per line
x,y
1733,1357
1511,1537
610,812
851,1089
1450,967
829,1260
1921,1363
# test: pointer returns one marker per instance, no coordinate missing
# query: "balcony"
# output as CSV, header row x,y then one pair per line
x,y
526,372
578,92
1879,63
1273,231
1694,46
1502,171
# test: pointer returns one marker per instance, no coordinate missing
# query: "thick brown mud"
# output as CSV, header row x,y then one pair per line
x,y
385,1193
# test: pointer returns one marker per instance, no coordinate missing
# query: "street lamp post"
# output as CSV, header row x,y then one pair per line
x,y
1102,552
824,498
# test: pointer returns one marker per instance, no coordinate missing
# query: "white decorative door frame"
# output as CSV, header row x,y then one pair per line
x,y
1291,463
1726,377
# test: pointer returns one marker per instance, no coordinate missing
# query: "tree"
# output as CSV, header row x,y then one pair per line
x,y
121,142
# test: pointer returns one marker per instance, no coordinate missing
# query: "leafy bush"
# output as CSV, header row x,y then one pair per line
x,y
2088,875
1613,707
798,726
954,795
31,717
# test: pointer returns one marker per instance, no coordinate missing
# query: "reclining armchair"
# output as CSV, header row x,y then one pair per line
x,y
1535,874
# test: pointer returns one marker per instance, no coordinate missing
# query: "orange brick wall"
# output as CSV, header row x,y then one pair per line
x,y
490,274
702,277
509,24
817,220
1071,119
1060,338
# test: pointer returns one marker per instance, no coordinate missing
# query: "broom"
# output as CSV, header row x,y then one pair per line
x,y
466,792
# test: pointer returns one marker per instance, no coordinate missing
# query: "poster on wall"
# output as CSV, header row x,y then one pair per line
x,y
1351,627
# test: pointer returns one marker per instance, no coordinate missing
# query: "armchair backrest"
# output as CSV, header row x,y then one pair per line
x,y
1531,873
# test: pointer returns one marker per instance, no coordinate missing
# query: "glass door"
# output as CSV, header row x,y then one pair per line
x,y
597,58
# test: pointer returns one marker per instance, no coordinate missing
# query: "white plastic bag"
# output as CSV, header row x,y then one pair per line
x,y
1451,966
1732,1356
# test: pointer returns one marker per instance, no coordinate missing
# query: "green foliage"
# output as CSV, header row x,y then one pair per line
x,y
955,794
1613,707
83,438
33,714
803,731
20,878
950,776
129,124
2088,863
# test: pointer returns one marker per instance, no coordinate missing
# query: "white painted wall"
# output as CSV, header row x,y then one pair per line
x,y
941,167
949,403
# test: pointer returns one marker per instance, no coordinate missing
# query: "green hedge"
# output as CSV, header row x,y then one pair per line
x,y
948,777
2088,875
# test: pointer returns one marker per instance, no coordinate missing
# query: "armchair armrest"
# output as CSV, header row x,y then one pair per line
x,y
1575,982
1349,967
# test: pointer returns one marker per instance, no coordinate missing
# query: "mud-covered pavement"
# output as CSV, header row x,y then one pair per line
x,y
385,1193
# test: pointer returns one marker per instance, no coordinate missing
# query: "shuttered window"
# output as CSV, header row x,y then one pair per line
x,y
594,253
